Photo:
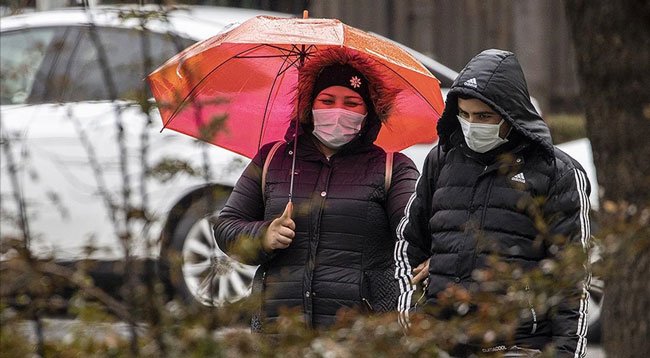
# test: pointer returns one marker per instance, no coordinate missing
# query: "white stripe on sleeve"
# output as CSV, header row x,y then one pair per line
x,y
585,234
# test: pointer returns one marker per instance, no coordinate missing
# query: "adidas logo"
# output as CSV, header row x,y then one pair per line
x,y
471,83
520,178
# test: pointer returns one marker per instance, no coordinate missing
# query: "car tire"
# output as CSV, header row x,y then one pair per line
x,y
197,270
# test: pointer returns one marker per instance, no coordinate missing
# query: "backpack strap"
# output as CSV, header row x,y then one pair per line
x,y
269,157
267,162
389,170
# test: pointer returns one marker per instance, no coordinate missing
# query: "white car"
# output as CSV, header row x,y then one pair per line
x,y
60,114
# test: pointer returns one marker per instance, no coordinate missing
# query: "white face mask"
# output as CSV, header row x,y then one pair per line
x,y
335,127
481,137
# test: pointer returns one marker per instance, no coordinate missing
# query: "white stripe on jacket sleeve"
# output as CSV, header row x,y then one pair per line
x,y
585,234
403,268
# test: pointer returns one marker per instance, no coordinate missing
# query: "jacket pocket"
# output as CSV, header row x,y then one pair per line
x,y
364,293
379,289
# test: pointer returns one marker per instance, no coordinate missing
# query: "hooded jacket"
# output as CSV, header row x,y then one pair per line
x,y
341,256
470,206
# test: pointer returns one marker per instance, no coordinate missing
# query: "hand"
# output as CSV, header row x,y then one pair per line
x,y
421,272
281,232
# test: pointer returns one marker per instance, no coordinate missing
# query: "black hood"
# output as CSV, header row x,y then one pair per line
x,y
495,77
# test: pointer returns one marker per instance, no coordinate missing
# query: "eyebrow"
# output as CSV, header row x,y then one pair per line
x,y
477,113
346,97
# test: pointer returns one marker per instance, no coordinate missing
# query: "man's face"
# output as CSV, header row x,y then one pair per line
x,y
476,111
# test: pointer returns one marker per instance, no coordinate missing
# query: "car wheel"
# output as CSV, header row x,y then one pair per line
x,y
199,270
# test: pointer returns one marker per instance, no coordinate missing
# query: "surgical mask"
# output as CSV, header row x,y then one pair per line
x,y
335,127
481,137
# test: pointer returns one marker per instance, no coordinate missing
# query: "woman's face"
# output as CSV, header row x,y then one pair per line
x,y
340,97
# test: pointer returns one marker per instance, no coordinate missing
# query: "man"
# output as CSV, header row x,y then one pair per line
x,y
483,189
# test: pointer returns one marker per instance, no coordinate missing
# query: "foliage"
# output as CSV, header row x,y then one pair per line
x,y
566,127
167,168
174,328
625,249
139,319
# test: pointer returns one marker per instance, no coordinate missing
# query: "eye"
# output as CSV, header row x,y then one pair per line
x,y
326,101
463,114
352,104
485,116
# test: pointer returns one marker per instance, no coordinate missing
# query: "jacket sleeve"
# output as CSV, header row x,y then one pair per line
x,y
567,212
413,238
240,226
405,174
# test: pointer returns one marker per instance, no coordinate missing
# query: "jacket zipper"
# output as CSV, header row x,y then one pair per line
x,y
533,313
368,305
362,292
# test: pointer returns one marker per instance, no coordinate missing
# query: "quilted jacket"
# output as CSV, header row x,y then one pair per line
x,y
341,256
470,206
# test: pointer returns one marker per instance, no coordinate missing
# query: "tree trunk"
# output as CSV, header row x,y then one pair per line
x,y
612,42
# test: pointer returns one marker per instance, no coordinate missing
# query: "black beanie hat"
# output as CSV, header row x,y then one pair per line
x,y
346,76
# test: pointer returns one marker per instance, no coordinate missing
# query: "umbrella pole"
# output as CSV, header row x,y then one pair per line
x,y
305,14
293,160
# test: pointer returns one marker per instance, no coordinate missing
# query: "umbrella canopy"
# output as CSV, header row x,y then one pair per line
x,y
237,89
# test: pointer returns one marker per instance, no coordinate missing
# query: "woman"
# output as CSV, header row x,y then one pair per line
x,y
333,247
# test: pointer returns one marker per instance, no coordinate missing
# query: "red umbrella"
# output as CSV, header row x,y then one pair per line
x,y
248,75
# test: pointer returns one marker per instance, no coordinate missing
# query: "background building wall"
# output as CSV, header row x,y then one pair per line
x,y
452,31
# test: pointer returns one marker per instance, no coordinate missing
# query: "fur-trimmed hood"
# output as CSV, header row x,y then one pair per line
x,y
381,95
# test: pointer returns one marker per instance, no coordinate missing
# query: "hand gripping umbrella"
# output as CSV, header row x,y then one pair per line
x,y
236,89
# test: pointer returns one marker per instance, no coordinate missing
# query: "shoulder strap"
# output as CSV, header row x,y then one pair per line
x,y
267,162
389,170
387,180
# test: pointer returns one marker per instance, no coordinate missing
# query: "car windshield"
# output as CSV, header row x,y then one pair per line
x,y
125,53
83,64
21,56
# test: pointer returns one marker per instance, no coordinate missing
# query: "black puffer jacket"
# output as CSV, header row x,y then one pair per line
x,y
469,206
345,227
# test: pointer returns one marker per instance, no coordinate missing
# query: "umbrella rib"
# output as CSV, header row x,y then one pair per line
x,y
292,51
255,48
262,56
285,52
191,91
306,53
268,99
283,70
410,85
239,55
